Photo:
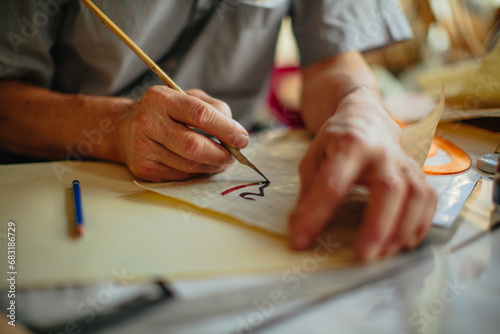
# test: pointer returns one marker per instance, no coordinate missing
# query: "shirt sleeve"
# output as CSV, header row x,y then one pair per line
x,y
30,31
325,28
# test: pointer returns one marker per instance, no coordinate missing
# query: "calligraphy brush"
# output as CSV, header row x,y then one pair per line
x,y
156,69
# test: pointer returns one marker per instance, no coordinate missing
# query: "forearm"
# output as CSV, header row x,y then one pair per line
x,y
341,80
41,123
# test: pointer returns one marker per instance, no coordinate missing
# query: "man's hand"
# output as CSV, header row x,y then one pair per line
x,y
152,136
359,145
157,144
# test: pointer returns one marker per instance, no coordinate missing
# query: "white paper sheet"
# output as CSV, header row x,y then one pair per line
x,y
277,155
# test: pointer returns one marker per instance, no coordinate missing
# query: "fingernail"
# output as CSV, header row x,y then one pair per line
x,y
300,241
241,140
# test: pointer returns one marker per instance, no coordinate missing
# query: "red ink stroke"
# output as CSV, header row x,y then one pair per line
x,y
261,192
240,187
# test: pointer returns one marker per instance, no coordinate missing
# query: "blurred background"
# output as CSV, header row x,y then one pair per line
x,y
445,31
451,40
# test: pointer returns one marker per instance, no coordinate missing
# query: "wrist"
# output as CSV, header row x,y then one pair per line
x,y
364,109
98,137
361,96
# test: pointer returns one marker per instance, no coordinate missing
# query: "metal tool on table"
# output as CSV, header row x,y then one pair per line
x,y
318,288
488,162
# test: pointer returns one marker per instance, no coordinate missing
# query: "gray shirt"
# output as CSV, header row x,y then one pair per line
x,y
61,45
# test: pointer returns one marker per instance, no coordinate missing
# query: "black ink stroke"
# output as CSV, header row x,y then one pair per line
x,y
260,194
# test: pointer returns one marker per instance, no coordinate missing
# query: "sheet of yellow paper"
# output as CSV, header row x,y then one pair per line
x,y
132,234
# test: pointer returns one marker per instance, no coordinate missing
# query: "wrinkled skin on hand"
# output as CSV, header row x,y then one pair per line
x,y
156,141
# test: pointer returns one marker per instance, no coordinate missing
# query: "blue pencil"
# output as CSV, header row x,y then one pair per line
x,y
77,201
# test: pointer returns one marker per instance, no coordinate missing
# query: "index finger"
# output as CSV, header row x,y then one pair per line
x,y
217,104
331,184
386,198
197,113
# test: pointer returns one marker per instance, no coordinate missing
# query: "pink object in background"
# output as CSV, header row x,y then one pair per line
x,y
284,96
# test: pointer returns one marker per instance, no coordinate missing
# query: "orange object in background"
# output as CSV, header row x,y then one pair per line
x,y
460,161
